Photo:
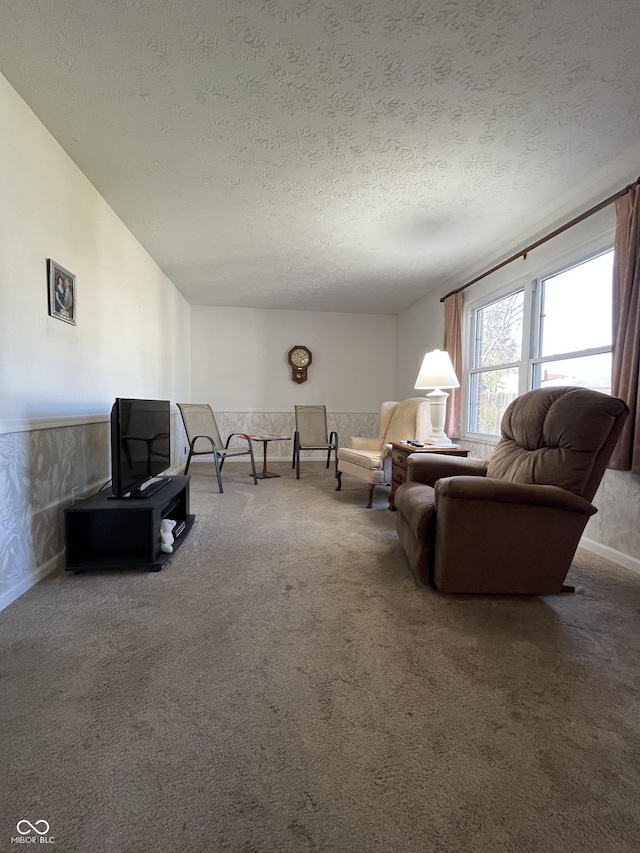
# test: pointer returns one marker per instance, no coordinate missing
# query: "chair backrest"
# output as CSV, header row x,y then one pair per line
x,y
198,419
386,413
409,419
558,437
311,425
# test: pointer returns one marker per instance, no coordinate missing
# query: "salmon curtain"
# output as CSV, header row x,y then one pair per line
x,y
453,345
626,327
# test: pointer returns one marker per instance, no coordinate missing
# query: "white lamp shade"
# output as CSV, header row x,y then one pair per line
x,y
437,371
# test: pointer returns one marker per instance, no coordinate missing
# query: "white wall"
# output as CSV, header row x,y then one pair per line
x,y
131,339
239,358
132,324
420,329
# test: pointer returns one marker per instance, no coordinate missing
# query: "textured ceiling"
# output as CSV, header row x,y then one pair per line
x,y
333,155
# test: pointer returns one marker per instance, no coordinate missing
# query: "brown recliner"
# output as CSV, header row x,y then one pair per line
x,y
511,525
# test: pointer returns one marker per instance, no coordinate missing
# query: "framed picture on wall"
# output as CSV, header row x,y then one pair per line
x,y
62,293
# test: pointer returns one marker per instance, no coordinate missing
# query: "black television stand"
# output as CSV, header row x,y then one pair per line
x,y
103,532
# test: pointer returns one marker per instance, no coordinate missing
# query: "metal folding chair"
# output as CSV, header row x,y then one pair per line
x,y
204,438
312,434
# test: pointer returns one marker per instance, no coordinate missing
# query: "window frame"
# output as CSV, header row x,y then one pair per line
x,y
537,325
532,286
470,324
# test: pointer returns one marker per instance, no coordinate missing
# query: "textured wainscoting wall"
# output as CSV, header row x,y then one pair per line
x,y
42,471
614,532
345,424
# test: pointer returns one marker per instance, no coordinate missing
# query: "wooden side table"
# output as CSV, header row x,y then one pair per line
x,y
265,439
399,453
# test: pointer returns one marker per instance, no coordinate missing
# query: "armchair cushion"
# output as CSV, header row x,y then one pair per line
x,y
365,458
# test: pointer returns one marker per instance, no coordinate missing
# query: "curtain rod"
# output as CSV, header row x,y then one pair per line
x,y
524,252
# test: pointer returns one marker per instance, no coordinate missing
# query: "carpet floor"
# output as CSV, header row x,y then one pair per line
x,y
284,685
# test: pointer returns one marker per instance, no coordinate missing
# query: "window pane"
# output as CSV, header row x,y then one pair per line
x,y
491,392
591,371
576,311
499,331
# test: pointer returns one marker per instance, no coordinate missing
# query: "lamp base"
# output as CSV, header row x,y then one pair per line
x,y
439,441
437,411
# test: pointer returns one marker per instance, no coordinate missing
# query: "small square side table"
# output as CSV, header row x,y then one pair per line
x,y
265,439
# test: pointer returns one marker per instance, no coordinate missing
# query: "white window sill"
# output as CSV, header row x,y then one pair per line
x,y
477,438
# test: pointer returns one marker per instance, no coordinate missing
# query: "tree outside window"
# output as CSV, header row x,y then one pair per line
x,y
496,364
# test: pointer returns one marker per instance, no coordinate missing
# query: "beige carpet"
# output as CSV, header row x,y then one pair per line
x,y
284,686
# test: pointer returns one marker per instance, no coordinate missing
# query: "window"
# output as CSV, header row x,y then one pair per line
x,y
555,330
574,327
497,358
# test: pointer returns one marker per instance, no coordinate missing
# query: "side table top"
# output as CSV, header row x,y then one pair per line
x,y
268,437
428,448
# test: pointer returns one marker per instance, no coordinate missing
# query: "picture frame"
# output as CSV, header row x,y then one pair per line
x,y
62,293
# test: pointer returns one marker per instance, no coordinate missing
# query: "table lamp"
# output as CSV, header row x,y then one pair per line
x,y
437,372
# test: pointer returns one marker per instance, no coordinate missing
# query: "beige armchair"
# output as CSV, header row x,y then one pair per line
x,y
369,459
511,525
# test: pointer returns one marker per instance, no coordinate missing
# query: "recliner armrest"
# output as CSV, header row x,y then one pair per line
x,y
501,491
427,468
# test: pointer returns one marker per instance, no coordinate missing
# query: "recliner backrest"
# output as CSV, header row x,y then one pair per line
x,y
561,436
410,419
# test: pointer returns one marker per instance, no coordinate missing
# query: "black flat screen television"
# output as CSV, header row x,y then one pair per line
x,y
140,445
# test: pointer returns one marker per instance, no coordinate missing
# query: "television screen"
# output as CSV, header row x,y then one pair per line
x,y
140,444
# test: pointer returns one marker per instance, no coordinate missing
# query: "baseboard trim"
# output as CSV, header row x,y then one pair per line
x,y
25,584
625,560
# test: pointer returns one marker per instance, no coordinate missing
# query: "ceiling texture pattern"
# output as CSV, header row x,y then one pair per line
x,y
333,155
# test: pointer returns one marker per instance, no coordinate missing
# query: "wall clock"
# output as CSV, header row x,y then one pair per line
x,y
299,358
